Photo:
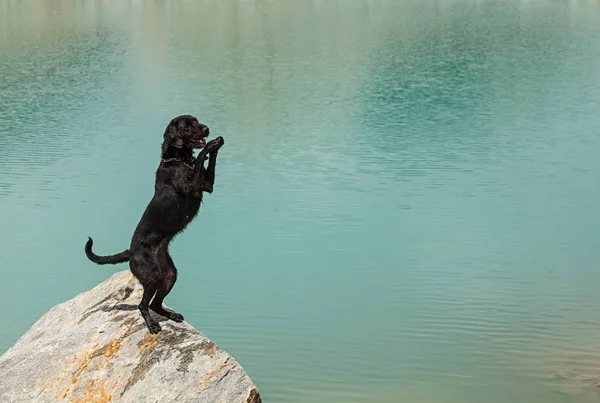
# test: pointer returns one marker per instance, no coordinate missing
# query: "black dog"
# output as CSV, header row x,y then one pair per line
x,y
180,181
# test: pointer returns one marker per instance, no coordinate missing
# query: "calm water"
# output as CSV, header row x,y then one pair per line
x,y
406,206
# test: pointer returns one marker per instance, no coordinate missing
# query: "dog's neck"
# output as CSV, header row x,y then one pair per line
x,y
177,154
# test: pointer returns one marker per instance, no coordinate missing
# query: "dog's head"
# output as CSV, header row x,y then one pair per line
x,y
186,132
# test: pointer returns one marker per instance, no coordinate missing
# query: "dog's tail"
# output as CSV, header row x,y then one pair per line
x,y
112,259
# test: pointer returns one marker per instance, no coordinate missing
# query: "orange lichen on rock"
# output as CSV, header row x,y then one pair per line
x,y
219,372
94,391
149,342
212,349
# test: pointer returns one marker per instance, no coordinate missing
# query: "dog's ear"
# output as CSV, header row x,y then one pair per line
x,y
172,135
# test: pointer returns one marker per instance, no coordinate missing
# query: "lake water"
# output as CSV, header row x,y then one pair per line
x,y
406,205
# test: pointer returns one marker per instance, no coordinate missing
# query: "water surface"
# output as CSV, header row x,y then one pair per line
x,y
406,206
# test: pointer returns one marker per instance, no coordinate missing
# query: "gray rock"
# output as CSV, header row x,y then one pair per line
x,y
96,348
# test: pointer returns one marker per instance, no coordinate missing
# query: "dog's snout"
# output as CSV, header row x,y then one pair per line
x,y
205,130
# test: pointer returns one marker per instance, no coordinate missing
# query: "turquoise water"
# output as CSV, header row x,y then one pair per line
x,y
406,206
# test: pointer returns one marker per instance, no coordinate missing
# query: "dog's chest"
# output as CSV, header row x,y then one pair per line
x,y
179,202
190,207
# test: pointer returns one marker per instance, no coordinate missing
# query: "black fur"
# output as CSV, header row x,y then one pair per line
x,y
180,181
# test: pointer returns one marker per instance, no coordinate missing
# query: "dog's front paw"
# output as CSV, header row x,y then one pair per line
x,y
215,144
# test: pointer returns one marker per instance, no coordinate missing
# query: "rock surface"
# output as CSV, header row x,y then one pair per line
x,y
96,348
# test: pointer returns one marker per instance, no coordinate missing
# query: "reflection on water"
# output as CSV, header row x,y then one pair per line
x,y
405,207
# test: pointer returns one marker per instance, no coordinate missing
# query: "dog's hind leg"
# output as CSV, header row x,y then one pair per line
x,y
146,272
153,326
166,281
